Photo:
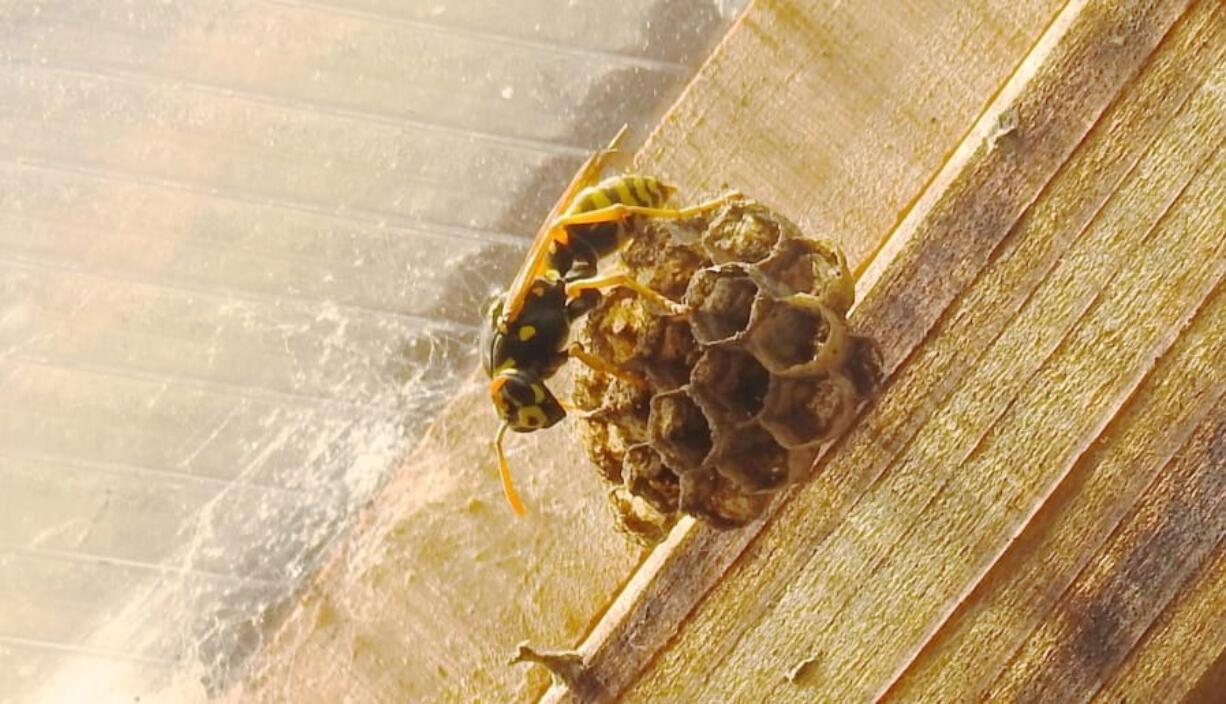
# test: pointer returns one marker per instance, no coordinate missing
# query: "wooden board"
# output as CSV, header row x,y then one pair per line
x,y
1016,177
1033,359
1164,142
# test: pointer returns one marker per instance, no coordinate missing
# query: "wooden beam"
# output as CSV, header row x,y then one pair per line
x,y
838,114
1162,665
1175,528
1162,119
859,567
872,109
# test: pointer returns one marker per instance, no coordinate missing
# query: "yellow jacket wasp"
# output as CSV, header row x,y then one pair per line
x,y
525,341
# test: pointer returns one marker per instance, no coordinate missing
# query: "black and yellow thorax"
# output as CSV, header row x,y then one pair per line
x,y
532,340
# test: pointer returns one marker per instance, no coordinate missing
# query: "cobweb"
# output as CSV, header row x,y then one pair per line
x,y
243,250
191,625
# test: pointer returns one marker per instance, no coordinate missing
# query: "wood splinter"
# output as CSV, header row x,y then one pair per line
x,y
800,671
566,665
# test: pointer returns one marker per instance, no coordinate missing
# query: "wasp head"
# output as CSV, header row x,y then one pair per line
x,y
523,402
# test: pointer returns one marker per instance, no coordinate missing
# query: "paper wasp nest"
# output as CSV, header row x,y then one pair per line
x,y
741,393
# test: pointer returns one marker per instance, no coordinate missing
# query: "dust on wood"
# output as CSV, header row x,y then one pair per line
x,y
441,580
1126,146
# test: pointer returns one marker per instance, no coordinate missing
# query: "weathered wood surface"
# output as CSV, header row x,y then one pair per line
x,y
803,140
1162,664
1155,138
1023,298
885,576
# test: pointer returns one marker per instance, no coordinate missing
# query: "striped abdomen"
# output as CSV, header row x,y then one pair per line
x,y
576,255
629,189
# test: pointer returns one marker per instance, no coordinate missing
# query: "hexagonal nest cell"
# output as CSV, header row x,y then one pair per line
x,y
721,408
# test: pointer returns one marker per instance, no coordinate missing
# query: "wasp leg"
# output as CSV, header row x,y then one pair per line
x,y
576,350
535,263
576,288
572,411
581,304
504,473
621,211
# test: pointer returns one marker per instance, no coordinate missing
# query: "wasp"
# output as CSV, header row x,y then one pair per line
x,y
525,339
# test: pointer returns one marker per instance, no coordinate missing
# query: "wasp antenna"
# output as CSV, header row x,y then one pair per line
x,y
617,138
504,473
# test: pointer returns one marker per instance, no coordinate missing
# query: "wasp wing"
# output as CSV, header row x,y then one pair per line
x,y
534,263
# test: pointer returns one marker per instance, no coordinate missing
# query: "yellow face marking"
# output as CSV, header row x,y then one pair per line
x,y
527,332
538,393
531,417
507,363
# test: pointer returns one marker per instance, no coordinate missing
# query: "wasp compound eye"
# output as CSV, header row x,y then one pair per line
x,y
519,391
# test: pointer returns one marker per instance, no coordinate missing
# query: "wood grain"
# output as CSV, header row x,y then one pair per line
x,y
696,137
429,595
1113,602
839,113
1182,645
842,147
1035,207
859,567
1075,521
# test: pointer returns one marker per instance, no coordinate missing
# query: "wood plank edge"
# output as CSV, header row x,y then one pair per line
x,y
681,571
